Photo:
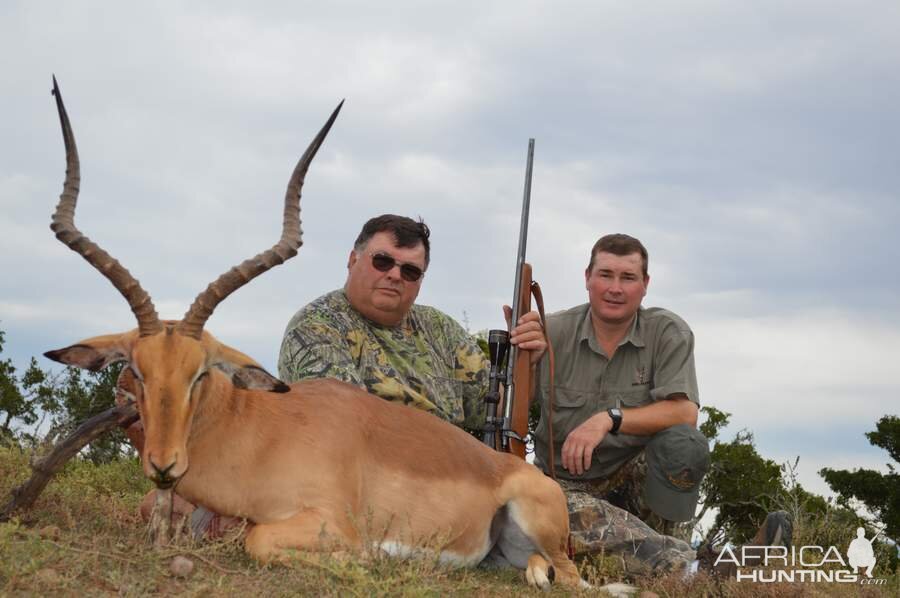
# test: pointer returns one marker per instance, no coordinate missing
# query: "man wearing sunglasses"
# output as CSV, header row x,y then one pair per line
x,y
372,334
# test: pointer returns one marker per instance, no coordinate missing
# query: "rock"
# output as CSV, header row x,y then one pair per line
x,y
48,576
49,532
619,590
181,566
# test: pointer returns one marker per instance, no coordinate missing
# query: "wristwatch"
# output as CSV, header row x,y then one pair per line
x,y
616,415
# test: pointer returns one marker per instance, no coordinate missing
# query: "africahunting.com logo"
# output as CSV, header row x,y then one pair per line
x,y
770,564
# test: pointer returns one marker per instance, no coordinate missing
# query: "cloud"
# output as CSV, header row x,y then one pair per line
x,y
751,147
798,369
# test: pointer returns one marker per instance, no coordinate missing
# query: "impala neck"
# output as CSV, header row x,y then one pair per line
x,y
219,408
220,429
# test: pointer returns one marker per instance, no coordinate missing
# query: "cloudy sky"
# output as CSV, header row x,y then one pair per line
x,y
753,147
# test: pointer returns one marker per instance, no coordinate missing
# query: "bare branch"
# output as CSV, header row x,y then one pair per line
x,y
24,496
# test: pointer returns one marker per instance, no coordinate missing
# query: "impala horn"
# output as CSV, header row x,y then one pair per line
x,y
63,224
291,240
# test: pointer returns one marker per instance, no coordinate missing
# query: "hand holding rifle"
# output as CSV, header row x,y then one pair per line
x,y
528,335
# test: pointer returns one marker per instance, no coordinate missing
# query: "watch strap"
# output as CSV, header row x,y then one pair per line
x,y
616,416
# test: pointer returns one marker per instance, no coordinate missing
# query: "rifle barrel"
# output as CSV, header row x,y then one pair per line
x,y
520,260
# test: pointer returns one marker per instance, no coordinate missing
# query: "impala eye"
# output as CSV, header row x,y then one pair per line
x,y
195,387
129,384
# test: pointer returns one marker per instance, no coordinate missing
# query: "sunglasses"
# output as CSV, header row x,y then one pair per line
x,y
384,263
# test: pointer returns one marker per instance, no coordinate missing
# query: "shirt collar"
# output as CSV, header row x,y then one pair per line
x,y
586,331
405,324
635,334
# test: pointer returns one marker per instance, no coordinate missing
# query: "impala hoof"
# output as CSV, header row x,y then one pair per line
x,y
539,573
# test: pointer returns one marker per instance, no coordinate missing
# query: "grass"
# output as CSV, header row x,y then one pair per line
x,y
84,537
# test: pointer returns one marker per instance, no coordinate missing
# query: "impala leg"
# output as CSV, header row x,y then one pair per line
x,y
553,540
564,570
541,512
310,530
539,572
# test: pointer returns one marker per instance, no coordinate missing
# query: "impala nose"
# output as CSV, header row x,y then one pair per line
x,y
161,476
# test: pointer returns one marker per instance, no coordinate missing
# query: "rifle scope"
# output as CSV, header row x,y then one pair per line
x,y
498,347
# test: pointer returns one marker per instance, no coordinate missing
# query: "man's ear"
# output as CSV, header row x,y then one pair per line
x,y
95,353
351,259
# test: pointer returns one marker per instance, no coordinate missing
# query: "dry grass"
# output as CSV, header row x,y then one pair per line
x,y
83,537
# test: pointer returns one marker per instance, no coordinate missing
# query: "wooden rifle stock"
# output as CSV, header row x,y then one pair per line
x,y
522,376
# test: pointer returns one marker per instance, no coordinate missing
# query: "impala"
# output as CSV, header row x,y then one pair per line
x,y
316,459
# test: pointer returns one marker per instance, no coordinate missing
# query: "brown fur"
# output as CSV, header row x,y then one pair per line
x,y
325,461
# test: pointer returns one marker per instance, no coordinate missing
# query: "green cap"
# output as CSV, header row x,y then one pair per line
x,y
677,460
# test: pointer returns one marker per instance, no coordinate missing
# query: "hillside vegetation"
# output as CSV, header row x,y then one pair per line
x,y
84,537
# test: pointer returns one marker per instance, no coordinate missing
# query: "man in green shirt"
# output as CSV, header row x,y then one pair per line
x,y
626,400
372,334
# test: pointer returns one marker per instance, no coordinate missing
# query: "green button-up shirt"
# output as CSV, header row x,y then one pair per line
x,y
654,361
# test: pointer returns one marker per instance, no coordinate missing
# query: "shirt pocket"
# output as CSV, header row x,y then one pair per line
x,y
569,410
632,396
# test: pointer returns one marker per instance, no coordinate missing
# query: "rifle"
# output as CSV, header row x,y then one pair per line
x,y
510,366
507,433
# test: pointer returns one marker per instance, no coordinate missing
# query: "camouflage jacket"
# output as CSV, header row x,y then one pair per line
x,y
428,361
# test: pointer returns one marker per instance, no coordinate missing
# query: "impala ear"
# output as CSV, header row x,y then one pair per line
x,y
258,378
95,353
245,372
252,377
